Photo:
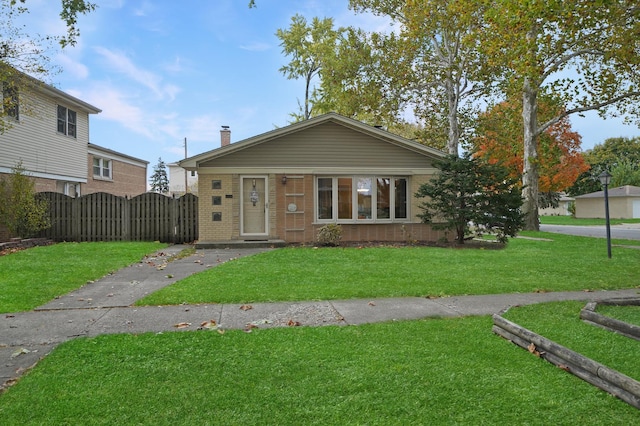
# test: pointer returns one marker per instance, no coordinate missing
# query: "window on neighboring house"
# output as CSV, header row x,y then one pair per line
x,y
10,101
67,121
102,168
361,198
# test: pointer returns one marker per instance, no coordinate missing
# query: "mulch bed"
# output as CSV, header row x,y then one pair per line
x,y
16,245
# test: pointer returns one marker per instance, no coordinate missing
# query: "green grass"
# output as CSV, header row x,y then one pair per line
x,y
438,371
568,220
629,314
561,323
559,263
32,277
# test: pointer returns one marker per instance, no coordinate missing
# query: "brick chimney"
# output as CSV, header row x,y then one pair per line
x,y
225,136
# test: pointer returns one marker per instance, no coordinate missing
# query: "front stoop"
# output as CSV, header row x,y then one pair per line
x,y
240,244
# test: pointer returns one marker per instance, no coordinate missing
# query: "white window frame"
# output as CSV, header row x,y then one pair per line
x,y
354,199
70,127
101,166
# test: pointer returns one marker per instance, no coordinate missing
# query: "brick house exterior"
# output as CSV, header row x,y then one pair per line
x,y
287,183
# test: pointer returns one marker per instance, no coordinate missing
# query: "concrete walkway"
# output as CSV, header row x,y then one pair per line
x,y
105,306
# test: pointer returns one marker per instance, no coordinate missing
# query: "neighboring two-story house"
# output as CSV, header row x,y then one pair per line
x,y
47,131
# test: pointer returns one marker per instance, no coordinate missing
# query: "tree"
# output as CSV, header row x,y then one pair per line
x,y
583,52
309,46
499,140
607,156
23,54
159,181
625,173
427,66
468,190
20,210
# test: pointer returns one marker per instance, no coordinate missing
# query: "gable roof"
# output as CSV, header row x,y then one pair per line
x,y
621,191
10,73
375,133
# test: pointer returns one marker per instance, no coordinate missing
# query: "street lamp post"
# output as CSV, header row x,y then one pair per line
x,y
605,179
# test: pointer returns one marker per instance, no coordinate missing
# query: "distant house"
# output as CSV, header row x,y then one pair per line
x,y
179,177
115,173
49,133
287,183
624,203
563,209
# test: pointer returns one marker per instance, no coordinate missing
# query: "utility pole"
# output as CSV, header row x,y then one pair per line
x,y
186,180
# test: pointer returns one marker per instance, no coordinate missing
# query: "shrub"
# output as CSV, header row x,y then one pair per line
x,y
21,211
330,234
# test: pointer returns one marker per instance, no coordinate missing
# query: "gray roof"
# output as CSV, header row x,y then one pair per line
x,y
621,191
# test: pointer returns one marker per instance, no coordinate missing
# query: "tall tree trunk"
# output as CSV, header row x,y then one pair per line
x,y
454,131
530,173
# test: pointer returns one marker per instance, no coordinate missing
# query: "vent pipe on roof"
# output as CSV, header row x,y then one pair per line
x,y
225,136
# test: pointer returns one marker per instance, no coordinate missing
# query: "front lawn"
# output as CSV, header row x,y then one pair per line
x,y
32,277
436,371
550,262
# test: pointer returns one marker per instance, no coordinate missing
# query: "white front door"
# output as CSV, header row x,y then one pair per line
x,y
255,205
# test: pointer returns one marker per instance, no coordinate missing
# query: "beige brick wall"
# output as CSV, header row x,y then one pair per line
x,y
296,226
228,227
128,180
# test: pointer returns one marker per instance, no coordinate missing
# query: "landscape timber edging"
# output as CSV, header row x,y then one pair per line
x,y
589,315
599,375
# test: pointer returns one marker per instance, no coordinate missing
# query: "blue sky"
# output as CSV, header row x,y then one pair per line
x,y
164,70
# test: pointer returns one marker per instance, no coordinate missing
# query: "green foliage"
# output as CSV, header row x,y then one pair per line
x,y
625,173
330,234
159,181
467,190
310,46
20,210
613,153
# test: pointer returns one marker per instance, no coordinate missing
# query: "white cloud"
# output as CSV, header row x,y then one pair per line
x,y
72,67
121,63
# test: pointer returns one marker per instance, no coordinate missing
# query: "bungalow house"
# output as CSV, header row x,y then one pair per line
x,y
48,131
287,183
624,203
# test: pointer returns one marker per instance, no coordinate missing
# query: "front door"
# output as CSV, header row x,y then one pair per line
x,y
254,207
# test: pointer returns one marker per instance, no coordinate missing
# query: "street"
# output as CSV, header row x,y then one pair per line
x,y
627,232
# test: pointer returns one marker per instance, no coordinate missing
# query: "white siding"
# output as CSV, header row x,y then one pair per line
x,y
36,141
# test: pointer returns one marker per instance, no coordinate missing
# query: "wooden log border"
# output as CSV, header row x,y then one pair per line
x,y
605,378
589,315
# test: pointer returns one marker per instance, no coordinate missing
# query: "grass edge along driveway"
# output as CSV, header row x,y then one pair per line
x,y
32,277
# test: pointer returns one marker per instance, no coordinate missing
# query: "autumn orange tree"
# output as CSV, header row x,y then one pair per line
x,y
499,141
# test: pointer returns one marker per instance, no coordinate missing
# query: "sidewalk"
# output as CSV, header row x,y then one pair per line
x,y
105,307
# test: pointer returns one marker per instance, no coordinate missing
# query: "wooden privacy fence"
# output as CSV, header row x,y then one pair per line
x,y
107,217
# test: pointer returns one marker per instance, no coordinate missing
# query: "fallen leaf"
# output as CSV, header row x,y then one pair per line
x,y
588,290
21,351
220,331
532,348
292,323
9,316
372,304
182,325
563,367
246,307
169,276
208,325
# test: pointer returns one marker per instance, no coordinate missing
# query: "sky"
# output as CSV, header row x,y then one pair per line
x,y
165,70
